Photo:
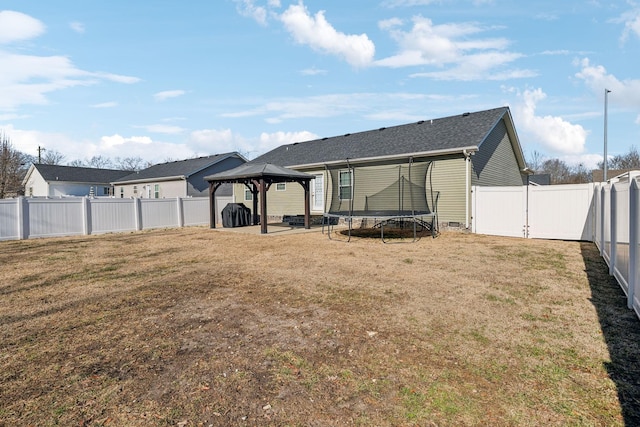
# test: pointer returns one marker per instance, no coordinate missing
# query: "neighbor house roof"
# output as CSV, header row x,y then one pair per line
x,y
52,173
181,169
445,135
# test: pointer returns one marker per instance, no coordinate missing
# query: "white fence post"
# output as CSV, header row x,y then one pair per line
x,y
602,233
633,241
180,211
138,212
86,216
23,217
614,230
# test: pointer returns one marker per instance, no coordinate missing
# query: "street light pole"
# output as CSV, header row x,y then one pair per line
x,y
604,176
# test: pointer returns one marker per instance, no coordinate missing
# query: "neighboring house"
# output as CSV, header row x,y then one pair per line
x,y
56,181
471,149
183,178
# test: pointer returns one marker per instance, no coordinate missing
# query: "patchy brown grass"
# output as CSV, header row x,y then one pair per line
x,y
197,327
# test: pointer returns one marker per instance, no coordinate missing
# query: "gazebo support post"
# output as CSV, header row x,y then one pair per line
x,y
263,206
307,202
254,200
212,203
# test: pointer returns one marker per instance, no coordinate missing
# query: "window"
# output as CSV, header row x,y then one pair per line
x,y
106,191
135,189
248,195
122,192
345,185
156,191
281,186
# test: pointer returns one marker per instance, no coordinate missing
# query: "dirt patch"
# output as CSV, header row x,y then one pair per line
x,y
198,327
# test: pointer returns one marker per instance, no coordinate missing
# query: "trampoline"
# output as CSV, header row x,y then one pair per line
x,y
379,196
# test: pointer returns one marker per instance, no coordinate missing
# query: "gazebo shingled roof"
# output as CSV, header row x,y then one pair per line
x,y
258,177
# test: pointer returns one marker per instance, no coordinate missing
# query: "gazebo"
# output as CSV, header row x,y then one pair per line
x,y
258,177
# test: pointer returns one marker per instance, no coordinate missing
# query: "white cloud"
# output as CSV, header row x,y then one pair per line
x,y
164,95
109,104
16,26
320,35
590,161
313,71
78,27
625,93
248,9
370,105
224,140
409,3
269,141
631,20
118,78
452,49
28,79
553,133
111,146
160,128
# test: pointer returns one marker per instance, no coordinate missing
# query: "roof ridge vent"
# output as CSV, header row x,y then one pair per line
x,y
420,122
347,134
382,128
325,138
466,114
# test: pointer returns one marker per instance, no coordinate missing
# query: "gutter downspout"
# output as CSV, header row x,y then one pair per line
x,y
467,192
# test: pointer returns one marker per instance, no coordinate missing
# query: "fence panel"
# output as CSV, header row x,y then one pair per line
x,y
55,217
561,212
10,219
597,215
112,215
499,211
157,213
621,215
606,222
195,211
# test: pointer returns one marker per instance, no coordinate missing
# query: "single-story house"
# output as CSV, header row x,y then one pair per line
x,y
183,178
56,181
455,153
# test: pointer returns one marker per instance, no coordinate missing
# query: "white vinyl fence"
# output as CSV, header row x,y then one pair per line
x,y
605,213
539,212
617,235
25,218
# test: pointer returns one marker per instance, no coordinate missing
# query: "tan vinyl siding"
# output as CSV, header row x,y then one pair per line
x,y
279,203
495,163
448,177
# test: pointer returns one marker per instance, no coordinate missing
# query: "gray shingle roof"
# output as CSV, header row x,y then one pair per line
x,y
180,168
428,136
78,174
257,170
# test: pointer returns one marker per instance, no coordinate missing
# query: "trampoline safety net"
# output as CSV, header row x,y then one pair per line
x,y
380,190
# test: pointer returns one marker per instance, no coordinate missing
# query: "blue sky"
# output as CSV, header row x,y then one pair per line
x,y
171,80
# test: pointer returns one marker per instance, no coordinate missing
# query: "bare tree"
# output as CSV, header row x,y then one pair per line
x,y
77,163
130,163
631,160
100,162
52,157
535,160
12,168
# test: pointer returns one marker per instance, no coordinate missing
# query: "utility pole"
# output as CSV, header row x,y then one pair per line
x,y
40,150
604,163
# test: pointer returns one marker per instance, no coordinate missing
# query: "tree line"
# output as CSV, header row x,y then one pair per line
x,y
14,164
562,173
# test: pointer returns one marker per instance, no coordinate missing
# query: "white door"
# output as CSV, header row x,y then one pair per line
x,y
318,193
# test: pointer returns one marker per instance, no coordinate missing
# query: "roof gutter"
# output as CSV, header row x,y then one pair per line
x,y
460,150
